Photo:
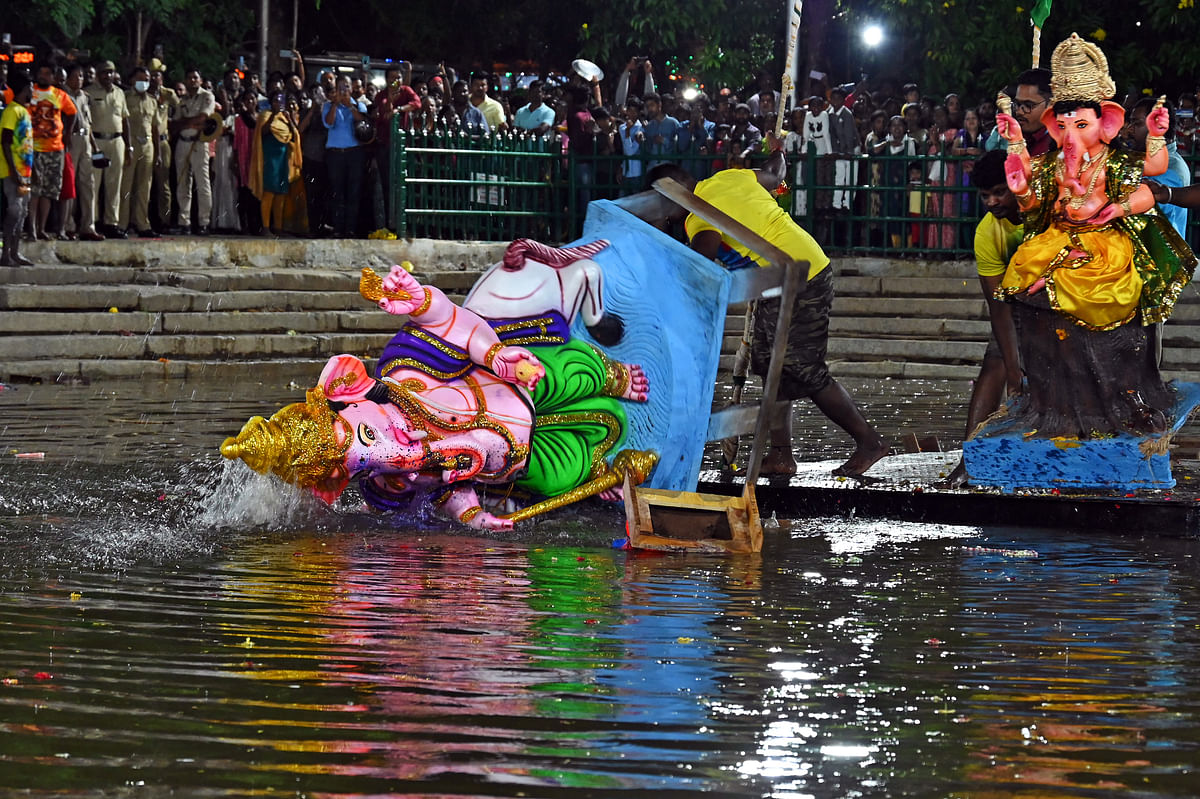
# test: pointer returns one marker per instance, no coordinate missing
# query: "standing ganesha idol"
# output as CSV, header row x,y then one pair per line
x,y
460,400
1100,265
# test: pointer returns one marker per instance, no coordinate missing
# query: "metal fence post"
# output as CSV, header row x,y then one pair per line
x,y
399,173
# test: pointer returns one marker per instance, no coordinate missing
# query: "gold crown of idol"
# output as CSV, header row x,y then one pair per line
x,y
1079,72
298,443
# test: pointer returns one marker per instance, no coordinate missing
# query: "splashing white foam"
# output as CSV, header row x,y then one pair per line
x,y
243,498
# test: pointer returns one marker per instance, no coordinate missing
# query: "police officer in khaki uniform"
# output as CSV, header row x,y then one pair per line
x,y
110,130
82,147
168,107
191,154
139,170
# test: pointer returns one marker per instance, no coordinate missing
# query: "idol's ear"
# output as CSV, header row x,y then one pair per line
x,y
1112,119
345,379
1050,120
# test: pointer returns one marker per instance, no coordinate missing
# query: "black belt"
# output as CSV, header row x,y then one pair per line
x,y
107,136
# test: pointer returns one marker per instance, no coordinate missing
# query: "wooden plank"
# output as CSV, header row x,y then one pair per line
x,y
686,499
723,222
737,420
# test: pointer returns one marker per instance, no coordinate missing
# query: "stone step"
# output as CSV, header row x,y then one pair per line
x,y
934,329
940,287
85,322
873,349
167,298
189,347
371,320
926,308
302,371
217,251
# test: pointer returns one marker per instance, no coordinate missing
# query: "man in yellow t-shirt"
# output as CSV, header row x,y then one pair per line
x,y
747,196
997,237
16,166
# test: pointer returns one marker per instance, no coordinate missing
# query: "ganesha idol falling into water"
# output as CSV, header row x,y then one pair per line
x,y
1098,267
492,393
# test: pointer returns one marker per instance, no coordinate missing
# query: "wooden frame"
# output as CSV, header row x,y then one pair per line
x,y
672,520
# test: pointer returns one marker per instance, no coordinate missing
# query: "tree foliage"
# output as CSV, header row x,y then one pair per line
x,y
944,45
729,40
974,49
187,33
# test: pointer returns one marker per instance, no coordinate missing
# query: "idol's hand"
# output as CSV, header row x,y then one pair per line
x,y
1107,214
1157,121
1008,128
486,521
518,365
402,293
1014,175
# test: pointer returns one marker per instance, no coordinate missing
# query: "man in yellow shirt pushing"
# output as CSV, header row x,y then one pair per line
x,y
747,195
996,238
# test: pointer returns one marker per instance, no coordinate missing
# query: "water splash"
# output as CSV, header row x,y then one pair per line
x,y
240,498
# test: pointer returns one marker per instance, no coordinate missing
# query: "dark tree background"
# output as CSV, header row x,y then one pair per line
x,y
944,45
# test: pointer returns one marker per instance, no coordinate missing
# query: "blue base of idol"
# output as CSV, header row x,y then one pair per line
x,y
1009,461
673,304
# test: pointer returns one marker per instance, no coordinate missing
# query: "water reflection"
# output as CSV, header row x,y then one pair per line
x,y
174,624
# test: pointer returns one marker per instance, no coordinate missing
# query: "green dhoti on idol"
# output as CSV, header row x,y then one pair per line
x,y
459,400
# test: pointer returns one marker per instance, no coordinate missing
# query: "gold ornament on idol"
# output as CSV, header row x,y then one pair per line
x,y
298,444
1079,72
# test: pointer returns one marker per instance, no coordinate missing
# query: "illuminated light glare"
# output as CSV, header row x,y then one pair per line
x,y
847,750
690,93
796,671
872,36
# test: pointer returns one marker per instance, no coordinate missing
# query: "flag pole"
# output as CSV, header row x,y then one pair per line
x,y
789,62
1038,15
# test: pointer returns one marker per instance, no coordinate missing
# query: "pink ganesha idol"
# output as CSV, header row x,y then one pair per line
x,y
460,400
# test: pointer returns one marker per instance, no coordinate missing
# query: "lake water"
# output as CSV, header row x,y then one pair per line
x,y
174,625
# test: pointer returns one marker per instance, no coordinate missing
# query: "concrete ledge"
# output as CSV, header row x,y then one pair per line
x,y
83,298
900,327
869,266
84,322
927,308
955,287
92,370
905,370
868,349
212,251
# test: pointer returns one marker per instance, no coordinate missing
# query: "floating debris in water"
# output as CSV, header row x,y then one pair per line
x,y
1008,553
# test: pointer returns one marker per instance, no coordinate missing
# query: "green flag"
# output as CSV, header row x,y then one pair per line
x,y
1039,12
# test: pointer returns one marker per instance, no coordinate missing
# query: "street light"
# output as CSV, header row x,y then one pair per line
x,y
872,36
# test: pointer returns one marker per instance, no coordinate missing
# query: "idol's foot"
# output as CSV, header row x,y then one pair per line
x,y
864,457
626,381
956,478
778,460
639,384
614,494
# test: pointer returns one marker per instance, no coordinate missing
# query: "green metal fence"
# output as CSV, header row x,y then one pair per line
x,y
502,187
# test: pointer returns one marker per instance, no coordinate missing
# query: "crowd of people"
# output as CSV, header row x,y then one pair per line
x,y
137,155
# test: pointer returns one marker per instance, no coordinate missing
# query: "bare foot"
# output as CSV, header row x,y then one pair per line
x,y
638,389
864,457
778,460
956,478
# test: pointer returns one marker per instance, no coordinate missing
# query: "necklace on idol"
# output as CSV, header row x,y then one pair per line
x,y
1097,166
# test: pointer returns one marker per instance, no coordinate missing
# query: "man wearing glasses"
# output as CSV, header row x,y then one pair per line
x,y
1031,101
